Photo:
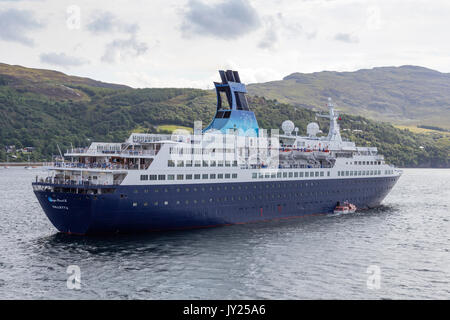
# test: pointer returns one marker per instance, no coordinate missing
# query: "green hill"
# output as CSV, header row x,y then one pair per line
x,y
36,112
407,95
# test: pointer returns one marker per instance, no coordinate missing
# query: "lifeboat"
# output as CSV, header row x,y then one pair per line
x,y
285,153
345,208
303,153
321,154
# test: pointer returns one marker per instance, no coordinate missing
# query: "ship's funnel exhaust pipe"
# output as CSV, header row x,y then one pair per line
x,y
236,76
230,76
222,76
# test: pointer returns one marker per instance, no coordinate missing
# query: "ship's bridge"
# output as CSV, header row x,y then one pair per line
x,y
233,112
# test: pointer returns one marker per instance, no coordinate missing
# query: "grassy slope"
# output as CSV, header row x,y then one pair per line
x,y
406,95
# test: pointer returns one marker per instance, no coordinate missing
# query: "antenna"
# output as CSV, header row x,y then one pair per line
x,y
60,153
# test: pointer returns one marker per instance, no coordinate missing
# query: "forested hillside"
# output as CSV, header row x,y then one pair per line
x,y
32,114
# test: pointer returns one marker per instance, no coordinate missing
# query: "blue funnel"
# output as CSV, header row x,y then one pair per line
x,y
232,111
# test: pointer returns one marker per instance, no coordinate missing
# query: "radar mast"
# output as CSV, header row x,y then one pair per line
x,y
334,134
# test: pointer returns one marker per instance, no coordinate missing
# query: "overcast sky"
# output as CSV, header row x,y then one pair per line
x,y
182,43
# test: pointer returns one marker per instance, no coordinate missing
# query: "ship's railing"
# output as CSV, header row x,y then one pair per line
x,y
101,166
113,152
80,182
150,137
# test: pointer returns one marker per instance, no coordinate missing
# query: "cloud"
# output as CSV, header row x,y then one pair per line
x,y
61,59
106,22
118,49
270,37
278,28
121,49
229,19
346,37
15,24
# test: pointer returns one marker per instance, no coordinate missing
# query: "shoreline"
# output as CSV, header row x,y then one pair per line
x,y
24,164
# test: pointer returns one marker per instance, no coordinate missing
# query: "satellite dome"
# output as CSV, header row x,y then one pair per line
x,y
312,129
287,126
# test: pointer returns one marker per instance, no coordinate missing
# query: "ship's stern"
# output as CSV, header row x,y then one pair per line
x,y
69,213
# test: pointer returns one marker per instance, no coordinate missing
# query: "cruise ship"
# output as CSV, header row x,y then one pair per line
x,y
230,172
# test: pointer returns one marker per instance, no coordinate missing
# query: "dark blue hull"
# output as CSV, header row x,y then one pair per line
x,y
163,207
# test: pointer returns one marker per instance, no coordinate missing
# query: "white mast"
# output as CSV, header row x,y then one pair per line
x,y
334,134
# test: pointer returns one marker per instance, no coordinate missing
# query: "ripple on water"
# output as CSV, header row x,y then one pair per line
x,y
311,258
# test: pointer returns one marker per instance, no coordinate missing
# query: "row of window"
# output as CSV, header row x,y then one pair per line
x,y
145,177
364,163
321,197
174,150
273,185
295,174
199,163
359,173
